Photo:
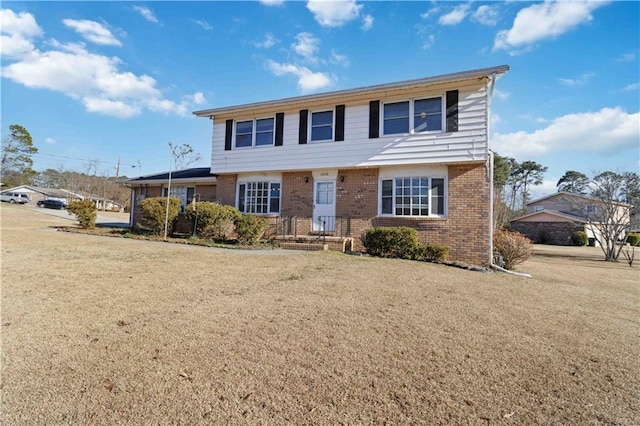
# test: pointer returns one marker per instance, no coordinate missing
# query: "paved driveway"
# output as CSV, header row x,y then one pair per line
x,y
100,220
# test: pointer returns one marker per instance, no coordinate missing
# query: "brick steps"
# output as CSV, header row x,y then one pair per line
x,y
314,243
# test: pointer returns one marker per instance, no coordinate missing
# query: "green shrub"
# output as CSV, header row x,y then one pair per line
x,y
85,212
153,211
633,239
390,241
579,238
511,248
430,252
212,220
249,228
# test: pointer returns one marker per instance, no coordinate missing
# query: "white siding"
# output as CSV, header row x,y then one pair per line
x,y
469,143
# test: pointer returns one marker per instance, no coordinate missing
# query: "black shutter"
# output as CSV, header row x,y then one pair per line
x,y
228,136
452,111
279,128
302,131
374,119
339,122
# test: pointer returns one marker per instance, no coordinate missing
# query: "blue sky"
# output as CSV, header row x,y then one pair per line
x,y
109,81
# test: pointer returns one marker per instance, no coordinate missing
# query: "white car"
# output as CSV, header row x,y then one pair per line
x,y
14,197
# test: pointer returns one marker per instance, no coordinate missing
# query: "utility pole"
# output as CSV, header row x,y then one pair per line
x,y
118,169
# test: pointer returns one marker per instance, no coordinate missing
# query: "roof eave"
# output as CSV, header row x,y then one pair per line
x,y
444,78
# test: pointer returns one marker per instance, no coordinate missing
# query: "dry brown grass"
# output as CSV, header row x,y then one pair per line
x,y
115,331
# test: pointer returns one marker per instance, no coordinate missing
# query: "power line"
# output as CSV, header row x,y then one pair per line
x,y
83,159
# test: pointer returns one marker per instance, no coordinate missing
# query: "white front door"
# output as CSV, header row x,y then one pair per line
x,y
324,205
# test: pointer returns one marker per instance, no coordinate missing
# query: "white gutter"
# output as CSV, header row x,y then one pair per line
x,y
491,160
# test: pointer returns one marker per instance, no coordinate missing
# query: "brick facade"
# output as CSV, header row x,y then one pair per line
x,y
465,230
556,233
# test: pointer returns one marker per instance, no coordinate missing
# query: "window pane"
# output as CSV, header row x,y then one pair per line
x,y
241,195
437,196
322,118
274,198
400,125
321,133
244,127
429,106
396,110
265,138
387,188
264,125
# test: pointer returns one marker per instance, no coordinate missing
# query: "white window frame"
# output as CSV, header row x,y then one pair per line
x,y
429,178
254,132
270,188
443,118
333,125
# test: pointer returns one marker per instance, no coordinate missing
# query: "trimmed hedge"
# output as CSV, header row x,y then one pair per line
x,y
214,220
249,228
390,241
153,211
430,253
633,239
579,238
85,212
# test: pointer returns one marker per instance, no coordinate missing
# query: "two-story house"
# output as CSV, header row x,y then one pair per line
x,y
413,153
552,219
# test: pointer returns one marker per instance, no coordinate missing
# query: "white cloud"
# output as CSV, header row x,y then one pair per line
x,y
268,42
17,33
602,131
631,87
580,81
543,21
456,16
627,57
338,59
500,94
203,24
334,13
308,81
92,31
367,22
486,15
272,2
428,42
430,12
198,98
49,141
146,13
306,46
92,79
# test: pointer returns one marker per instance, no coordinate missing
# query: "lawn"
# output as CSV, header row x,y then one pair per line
x,y
106,331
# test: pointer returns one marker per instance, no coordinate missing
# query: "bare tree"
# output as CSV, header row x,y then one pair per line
x,y
606,213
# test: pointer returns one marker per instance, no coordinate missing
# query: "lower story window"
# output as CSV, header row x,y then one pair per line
x,y
412,196
259,197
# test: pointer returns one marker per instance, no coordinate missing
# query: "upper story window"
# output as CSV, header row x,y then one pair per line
x,y
413,196
538,208
415,116
257,132
321,126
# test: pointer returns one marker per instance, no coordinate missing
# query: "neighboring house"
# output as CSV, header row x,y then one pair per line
x,y
413,153
554,218
187,185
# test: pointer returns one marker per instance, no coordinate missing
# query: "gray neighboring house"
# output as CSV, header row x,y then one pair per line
x,y
553,219
38,193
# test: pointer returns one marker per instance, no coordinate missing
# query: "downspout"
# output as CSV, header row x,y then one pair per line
x,y
491,159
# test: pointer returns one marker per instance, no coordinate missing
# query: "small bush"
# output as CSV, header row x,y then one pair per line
x,y
633,239
249,228
579,238
154,210
430,252
397,241
85,212
512,247
214,220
